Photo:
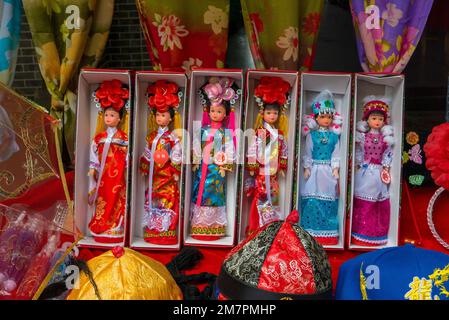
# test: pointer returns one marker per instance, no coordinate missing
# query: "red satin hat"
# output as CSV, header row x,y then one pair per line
x,y
279,261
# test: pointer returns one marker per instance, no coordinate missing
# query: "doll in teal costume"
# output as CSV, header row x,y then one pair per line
x,y
321,163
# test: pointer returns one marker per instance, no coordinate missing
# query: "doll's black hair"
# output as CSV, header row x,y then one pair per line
x,y
272,106
376,112
121,112
170,110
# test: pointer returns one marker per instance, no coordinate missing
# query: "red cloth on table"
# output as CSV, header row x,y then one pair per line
x,y
213,257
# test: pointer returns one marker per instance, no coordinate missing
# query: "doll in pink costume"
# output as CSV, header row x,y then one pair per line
x,y
373,157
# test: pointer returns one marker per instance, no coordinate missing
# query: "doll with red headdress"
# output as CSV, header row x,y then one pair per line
x,y
373,156
213,157
108,163
161,164
268,152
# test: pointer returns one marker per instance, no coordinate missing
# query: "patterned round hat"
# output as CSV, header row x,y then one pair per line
x,y
280,261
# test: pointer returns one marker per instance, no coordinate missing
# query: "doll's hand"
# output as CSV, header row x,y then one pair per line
x,y
90,198
222,171
336,173
92,173
282,172
306,173
176,177
251,173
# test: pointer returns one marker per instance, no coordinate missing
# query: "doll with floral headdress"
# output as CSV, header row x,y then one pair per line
x,y
214,155
321,163
108,163
268,153
373,157
161,164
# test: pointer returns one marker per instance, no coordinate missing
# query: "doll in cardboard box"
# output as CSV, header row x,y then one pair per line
x,y
213,158
108,163
268,152
161,164
373,157
321,162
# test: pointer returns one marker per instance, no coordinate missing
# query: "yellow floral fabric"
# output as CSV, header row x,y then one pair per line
x,y
68,35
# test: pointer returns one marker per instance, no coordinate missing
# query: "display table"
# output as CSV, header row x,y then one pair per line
x,y
419,197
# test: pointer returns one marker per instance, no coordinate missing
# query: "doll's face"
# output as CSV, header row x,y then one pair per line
x,y
163,118
376,120
324,120
111,118
217,113
270,116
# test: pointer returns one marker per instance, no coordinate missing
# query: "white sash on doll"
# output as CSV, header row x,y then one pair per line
x,y
111,132
274,137
160,132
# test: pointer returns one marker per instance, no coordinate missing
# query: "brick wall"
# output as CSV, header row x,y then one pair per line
x,y
125,49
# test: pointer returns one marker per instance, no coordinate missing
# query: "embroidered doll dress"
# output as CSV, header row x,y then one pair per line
x,y
161,161
208,209
319,193
267,155
371,208
108,156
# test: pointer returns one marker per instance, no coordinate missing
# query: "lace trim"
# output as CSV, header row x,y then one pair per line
x,y
379,240
321,162
268,213
157,219
323,234
371,199
319,197
207,216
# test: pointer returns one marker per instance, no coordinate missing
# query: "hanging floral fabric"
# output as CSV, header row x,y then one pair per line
x,y
282,34
68,35
388,31
181,35
10,11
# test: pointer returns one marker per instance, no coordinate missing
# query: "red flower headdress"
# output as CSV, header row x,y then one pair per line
x,y
437,154
163,95
111,94
272,90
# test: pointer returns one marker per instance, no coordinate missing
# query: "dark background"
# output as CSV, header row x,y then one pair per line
x,y
426,90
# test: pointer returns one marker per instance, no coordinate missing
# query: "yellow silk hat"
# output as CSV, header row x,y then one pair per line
x,y
124,274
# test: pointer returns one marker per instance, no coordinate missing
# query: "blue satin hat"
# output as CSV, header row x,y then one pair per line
x,y
397,273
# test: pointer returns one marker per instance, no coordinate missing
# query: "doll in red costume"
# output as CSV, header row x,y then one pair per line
x,y
161,164
268,153
108,163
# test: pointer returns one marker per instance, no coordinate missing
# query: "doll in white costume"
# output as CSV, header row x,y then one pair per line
x,y
321,163
373,157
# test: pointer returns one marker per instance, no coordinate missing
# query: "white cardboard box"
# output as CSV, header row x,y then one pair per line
x,y
251,111
391,86
312,83
140,116
89,80
198,78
